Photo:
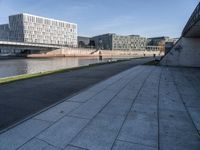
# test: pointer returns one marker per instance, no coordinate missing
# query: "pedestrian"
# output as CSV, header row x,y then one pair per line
x,y
100,56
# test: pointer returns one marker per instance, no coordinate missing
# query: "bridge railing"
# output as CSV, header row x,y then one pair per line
x,y
195,17
29,44
4,41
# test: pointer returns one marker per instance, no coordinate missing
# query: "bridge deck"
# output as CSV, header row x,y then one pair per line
x,y
22,44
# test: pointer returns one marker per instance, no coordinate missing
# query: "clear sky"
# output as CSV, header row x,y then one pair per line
x,y
147,18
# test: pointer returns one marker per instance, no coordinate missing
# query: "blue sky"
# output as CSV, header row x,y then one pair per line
x,y
147,18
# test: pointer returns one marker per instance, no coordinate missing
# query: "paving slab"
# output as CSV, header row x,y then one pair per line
x,y
119,145
191,100
100,133
74,148
192,78
195,114
175,123
15,137
89,109
118,106
185,142
57,112
169,96
36,144
140,128
84,96
62,132
148,109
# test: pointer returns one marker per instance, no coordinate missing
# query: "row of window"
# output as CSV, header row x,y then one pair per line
x,y
73,42
129,42
125,46
35,25
46,36
128,38
45,21
31,29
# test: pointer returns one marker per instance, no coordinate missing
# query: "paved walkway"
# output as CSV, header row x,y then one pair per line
x,y
143,108
24,98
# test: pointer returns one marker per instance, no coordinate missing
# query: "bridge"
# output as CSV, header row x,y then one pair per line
x,y
186,51
21,48
29,45
192,28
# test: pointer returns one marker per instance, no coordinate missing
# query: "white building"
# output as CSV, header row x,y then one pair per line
x,y
34,29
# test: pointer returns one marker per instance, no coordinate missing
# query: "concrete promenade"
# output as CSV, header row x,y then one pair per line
x,y
142,108
21,99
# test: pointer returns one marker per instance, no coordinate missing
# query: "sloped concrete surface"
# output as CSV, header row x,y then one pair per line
x,y
142,108
185,53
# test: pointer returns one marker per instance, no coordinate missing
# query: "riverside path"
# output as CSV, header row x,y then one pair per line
x,y
142,108
21,99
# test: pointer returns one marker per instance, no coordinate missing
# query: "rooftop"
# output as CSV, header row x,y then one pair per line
x,y
44,18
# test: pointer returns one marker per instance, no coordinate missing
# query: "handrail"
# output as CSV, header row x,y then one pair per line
x,y
194,18
28,44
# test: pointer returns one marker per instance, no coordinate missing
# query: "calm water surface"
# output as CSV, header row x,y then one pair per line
x,y
13,67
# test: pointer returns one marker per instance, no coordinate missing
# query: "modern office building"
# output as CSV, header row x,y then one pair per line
x,y
4,32
169,44
166,43
158,41
83,42
35,29
113,41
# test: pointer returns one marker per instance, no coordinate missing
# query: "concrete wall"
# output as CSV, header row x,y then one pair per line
x,y
186,52
80,52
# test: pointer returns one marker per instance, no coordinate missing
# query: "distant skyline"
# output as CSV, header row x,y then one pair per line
x,y
148,18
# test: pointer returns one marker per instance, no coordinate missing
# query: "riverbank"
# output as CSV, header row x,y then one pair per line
x,y
40,74
81,52
11,57
15,67
21,99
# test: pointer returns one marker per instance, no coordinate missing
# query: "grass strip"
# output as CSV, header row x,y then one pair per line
x,y
153,62
41,74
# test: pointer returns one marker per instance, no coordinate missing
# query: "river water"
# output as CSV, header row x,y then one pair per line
x,y
13,67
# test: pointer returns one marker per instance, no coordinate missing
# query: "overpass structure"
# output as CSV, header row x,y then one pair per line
x,y
192,28
186,51
21,47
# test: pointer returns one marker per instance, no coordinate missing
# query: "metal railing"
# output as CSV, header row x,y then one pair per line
x,y
195,17
29,44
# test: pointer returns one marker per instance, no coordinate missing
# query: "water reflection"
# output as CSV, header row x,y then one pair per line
x,y
13,67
